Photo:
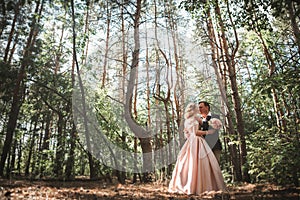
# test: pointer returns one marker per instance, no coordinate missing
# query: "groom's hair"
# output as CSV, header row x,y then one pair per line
x,y
205,103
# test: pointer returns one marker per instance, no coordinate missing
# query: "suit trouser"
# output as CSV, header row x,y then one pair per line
x,y
217,154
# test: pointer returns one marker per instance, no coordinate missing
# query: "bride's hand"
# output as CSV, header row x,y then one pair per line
x,y
201,133
199,119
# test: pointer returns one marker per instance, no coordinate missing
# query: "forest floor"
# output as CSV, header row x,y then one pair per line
x,y
99,190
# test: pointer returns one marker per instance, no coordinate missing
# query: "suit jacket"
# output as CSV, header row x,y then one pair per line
x,y
213,140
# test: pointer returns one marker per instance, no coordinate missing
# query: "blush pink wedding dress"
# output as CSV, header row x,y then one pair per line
x,y
196,169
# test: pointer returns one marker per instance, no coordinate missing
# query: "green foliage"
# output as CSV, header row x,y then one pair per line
x,y
273,156
111,121
8,77
254,15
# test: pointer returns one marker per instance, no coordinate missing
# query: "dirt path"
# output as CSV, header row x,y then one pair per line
x,y
97,190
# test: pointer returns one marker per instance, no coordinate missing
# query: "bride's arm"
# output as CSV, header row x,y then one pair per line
x,y
210,131
200,133
186,133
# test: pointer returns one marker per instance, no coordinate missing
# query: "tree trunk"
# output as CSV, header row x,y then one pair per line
x,y
18,92
3,23
230,62
59,156
13,116
87,133
108,13
20,156
45,142
294,24
70,175
279,113
136,129
11,168
12,31
232,147
31,141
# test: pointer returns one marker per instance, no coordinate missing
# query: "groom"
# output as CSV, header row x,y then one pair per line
x,y
212,139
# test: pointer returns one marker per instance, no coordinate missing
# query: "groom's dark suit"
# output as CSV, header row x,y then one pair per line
x,y
212,139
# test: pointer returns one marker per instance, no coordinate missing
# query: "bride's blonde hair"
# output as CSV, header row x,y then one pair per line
x,y
190,110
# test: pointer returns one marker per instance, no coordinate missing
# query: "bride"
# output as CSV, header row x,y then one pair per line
x,y
196,169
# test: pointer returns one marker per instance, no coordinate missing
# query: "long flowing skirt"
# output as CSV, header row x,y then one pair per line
x,y
196,169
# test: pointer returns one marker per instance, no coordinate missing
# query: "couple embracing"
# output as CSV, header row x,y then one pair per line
x,y
197,167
